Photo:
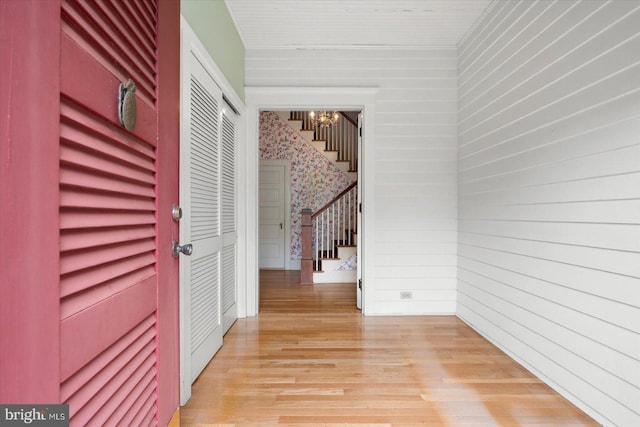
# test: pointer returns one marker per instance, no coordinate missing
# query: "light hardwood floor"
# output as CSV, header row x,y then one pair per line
x,y
310,358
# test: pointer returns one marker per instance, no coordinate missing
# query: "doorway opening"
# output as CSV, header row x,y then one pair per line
x,y
297,99
305,166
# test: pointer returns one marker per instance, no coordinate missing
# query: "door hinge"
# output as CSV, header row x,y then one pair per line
x,y
359,283
360,130
360,207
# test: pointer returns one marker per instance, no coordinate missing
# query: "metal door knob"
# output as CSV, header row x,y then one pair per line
x,y
176,213
177,249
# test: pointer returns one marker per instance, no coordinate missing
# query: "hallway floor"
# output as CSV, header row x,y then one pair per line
x,y
310,358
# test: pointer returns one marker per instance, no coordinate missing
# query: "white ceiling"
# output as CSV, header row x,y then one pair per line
x,y
264,24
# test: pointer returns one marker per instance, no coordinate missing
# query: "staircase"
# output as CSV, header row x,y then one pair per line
x,y
339,143
330,240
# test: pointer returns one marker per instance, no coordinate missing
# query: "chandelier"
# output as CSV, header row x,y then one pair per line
x,y
323,118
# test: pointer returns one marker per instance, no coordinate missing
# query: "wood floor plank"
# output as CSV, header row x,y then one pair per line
x,y
311,359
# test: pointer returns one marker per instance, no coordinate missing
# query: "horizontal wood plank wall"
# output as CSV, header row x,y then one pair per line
x,y
415,161
549,195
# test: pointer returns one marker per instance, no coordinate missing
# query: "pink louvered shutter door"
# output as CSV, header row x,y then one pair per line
x,y
108,282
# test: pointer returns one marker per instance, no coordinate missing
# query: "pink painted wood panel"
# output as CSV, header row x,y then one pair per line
x,y
96,34
87,239
168,184
29,120
119,142
97,93
113,275
87,292
111,377
73,219
79,260
70,155
136,338
86,179
91,331
110,226
81,314
87,198
136,36
118,392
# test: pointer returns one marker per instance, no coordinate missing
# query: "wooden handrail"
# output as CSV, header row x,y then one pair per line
x,y
348,118
339,196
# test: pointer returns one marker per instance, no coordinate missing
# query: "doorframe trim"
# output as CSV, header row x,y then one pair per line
x,y
287,201
259,99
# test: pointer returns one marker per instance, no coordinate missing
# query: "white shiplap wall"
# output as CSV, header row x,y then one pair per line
x,y
549,195
415,161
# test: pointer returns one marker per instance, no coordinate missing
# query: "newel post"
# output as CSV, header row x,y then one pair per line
x,y
306,264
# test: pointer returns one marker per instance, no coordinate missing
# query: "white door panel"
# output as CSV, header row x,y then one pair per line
x,y
270,232
200,225
270,214
268,195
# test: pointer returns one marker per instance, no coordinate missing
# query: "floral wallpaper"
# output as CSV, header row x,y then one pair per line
x,y
315,181
351,263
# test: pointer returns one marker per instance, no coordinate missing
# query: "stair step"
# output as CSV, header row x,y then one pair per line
x,y
343,166
330,275
319,145
331,155
309,135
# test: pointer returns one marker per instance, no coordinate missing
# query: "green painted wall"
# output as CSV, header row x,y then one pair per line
x,y
211,21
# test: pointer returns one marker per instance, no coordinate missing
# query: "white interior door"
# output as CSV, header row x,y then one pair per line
x,y
272,214
200,273
229,234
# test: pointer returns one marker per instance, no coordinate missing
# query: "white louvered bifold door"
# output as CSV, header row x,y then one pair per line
x,y
229,235
200,225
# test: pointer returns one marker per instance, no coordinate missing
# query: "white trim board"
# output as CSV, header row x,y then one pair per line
x,y
291,98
